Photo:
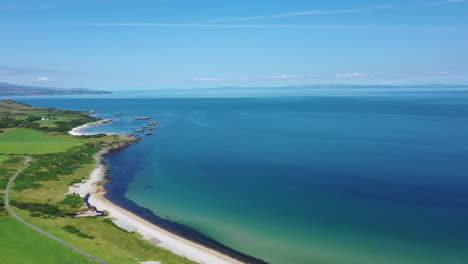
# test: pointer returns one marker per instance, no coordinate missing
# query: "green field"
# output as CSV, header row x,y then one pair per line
x,y
30,141
20,244
34,148
3,158
31,135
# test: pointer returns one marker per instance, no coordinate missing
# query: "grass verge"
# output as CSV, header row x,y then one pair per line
x,y
20,244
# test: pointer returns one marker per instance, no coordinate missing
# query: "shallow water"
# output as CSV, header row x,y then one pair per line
x,y
299,180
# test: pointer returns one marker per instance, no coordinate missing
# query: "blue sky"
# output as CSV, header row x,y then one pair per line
x,y
144,44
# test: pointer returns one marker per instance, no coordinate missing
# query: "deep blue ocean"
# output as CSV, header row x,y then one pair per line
x,y
365,179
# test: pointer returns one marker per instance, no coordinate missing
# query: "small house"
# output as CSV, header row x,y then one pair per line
x,y
48,118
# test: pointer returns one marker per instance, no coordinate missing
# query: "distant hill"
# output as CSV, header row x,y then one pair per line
x,y
8,89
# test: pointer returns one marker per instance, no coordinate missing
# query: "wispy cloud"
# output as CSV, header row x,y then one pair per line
x,y
5,73
207,79
342,78
175,25
220,79
351,75
273,26
42,79
445,73
13,71
283,77
446,2
305,13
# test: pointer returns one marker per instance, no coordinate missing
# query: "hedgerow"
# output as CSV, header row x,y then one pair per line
x,y
47,209
75,230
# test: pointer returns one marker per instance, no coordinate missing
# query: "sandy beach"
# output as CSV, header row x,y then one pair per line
x,y
133,223
77,130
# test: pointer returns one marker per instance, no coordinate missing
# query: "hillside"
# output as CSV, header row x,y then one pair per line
x,y
8,89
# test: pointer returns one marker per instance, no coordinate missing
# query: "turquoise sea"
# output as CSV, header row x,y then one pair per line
x,y
340,178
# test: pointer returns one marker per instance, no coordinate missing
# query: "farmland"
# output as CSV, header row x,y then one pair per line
x,y
30,141
23,245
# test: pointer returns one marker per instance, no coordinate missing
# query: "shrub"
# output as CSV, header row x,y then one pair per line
x,y
4,181
14,160
48,209
75,181
3,210
74,200
7,122
75,230
35,214
94,136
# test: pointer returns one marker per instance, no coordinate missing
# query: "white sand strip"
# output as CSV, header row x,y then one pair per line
x,y
89,185
77,130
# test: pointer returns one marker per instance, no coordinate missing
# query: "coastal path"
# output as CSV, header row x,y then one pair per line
x,y
12,212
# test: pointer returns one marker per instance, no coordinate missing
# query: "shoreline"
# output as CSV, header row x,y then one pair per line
x,y
76,131
157,235
132,222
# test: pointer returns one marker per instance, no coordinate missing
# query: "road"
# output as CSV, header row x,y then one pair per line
x,y
10,210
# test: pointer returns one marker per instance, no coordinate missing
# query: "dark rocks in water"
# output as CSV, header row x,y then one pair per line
x,y
118,114
151,134
138,130
143,118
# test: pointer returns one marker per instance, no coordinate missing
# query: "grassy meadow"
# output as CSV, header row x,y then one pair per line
x,y
20,244
31,135
34,147
3,158
30,141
